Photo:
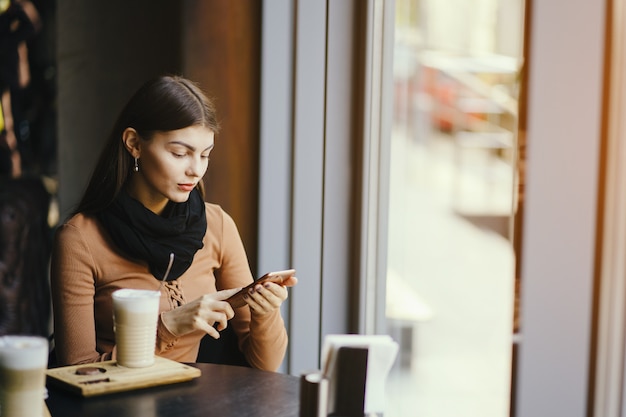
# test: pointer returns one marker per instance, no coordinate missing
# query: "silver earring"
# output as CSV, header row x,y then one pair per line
x,y
136,167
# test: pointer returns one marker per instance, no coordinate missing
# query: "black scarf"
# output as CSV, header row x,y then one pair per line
x,y
141,234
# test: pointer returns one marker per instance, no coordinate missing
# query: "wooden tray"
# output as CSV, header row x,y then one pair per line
x,y
107,377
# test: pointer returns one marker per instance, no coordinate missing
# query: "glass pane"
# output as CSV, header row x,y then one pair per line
x,y
450,281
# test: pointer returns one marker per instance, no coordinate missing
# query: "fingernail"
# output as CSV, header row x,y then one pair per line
x,y
266,285
245,296
251,291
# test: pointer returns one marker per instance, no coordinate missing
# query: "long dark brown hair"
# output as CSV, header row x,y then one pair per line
x,y
162,104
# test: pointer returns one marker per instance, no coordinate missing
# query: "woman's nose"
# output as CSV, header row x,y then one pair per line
x,y
196,167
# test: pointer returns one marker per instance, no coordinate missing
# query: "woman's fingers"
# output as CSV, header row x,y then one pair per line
x,y
265,298
202,324
212,322
219,318
209,313
224,294
274,294
290,282
214,303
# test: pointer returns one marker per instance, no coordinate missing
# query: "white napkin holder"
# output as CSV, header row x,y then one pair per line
x,y
357,367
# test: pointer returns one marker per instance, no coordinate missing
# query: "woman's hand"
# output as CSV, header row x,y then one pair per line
x,y
201,314
267,297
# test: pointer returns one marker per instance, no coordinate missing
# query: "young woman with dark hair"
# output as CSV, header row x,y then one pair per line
x,y
143,202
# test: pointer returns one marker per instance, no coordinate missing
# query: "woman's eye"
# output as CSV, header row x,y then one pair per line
x,y
178,155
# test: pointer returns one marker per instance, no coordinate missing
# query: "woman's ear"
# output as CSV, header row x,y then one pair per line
x,y
131,140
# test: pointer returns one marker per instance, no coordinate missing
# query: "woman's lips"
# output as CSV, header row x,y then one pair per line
x,y
186,187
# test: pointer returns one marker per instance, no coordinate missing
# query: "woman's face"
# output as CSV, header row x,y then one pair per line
x,y
170,166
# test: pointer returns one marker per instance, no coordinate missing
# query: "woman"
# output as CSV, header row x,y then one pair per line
x,y
143,202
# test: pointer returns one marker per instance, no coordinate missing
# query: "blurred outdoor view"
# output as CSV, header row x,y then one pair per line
x,y
450,282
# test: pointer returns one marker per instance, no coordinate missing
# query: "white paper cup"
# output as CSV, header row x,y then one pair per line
x,y
23,364
135,315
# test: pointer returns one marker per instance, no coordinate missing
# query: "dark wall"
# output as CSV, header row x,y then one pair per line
x,y
105,50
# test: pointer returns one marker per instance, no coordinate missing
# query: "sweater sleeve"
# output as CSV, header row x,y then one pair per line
x,y
262,338
73,287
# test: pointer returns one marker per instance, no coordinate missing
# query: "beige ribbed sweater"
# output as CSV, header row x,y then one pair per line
x,y
86,268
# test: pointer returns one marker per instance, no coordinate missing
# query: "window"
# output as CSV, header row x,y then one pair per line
x,y
450,259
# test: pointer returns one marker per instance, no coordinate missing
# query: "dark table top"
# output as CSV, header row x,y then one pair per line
x,y
221,390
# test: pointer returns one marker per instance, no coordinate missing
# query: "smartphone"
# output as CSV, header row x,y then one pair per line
x,y
276,276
